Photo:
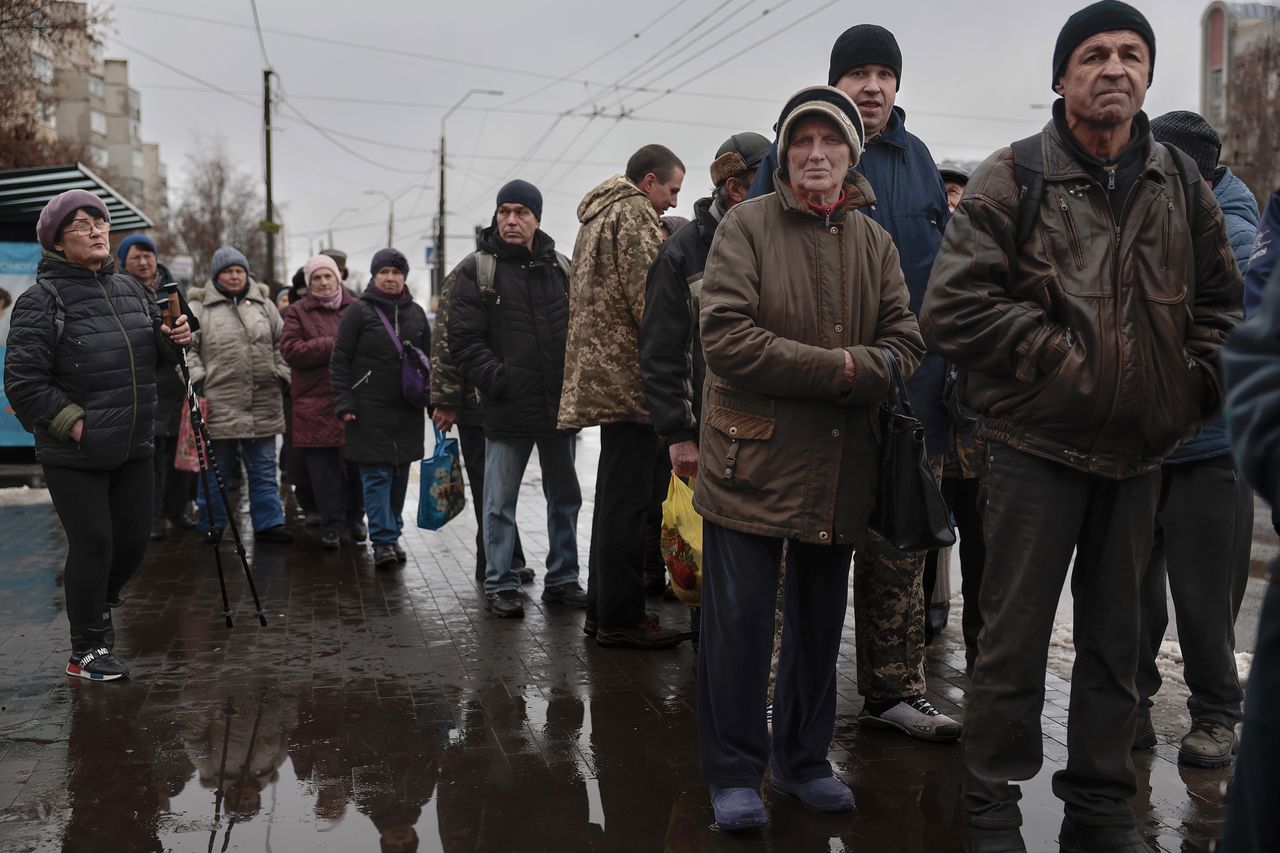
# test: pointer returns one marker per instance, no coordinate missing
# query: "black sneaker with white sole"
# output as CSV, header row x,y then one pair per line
x,y
96,665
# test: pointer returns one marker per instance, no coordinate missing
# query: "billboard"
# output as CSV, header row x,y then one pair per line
x,y
17,272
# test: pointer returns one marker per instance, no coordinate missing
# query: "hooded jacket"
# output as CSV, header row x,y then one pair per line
x,y
101,369
789,448
1240,215
510,342
365,371
1094,344
306,342
1262,258
911,204
616,245
236,353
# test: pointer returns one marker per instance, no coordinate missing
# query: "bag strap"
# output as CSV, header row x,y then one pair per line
x,y
486,269
566,266
59,312
391,333
1189,174
898,400
1028,174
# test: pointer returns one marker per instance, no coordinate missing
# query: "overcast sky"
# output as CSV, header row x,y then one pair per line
x,y
975,76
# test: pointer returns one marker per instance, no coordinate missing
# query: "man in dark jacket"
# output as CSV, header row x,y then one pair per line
x,y
507,331
173,488
1204,522
671,363
911,204
1090,351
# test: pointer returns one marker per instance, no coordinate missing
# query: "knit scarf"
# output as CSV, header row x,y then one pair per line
x,y
332,301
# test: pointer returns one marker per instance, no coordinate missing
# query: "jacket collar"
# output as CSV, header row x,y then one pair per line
x,y
1061,163
544,248
704,215
54,263
857,189
895,132
212,296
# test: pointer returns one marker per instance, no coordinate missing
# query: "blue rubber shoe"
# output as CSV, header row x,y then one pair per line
x,y
737,809
827,795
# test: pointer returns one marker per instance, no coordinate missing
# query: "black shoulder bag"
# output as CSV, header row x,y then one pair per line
x,y
910,512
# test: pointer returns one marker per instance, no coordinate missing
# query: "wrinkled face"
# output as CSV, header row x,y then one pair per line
x,y
234,278
662,194
140,263
389,280
817,157
1105,82
873,88
516,224
323,282
954,193
84,240
737,188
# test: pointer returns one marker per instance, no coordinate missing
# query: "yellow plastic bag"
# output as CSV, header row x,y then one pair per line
x,y
682,542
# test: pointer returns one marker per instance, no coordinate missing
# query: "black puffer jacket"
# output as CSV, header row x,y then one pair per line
x,y
510,343
171,391
671,363
102,369
365,371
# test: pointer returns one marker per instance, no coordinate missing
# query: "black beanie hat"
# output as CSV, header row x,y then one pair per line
x,y
389,258
865,44
521,192
1102,17
1191,133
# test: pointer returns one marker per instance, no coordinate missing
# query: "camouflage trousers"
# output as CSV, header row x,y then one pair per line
x,y
889,614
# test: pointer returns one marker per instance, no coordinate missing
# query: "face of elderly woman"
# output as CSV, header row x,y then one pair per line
x,y
323,283
234,278
817,159
389,280
84,240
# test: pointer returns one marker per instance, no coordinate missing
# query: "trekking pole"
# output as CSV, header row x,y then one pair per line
x,y
209,463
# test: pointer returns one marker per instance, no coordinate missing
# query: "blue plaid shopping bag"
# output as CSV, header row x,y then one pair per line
x,y
441,493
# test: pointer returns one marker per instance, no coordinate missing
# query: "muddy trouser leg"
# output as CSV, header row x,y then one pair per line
x,y
889,614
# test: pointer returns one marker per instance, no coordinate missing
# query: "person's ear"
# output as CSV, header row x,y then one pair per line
x,y
646,184
1057,87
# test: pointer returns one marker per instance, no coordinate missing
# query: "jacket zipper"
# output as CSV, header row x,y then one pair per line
x,y
1168,224
1074,235
133,368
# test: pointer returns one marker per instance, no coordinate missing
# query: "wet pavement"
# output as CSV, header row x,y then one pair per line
x,y
386,711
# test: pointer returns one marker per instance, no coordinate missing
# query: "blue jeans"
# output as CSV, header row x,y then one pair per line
x,y
504,462
259,456
384,488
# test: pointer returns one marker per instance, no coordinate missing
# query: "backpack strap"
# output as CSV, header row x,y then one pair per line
x,y
566,266
1028,174
486,269
59,312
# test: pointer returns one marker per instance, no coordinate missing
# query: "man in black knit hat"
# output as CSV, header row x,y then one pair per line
x,y
1086,285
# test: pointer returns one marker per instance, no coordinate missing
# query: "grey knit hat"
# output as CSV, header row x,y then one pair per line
x,y
228,256
830,103
1190,132
61,208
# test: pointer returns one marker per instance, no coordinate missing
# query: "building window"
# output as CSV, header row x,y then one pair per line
x,y
98,153
135,129
42,67
96,86
139,162
47,113
135,101
1217,99
98,122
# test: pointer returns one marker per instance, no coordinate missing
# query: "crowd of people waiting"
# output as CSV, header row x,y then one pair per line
x,y
1060,315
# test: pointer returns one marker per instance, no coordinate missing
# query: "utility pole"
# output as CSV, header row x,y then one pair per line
x,y
440,229
269,224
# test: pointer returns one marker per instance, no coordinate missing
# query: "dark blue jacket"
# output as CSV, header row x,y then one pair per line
x,y
1251,362
911,204
1262,260
1240,212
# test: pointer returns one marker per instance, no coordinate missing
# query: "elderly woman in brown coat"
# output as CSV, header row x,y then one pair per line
x,y
803,303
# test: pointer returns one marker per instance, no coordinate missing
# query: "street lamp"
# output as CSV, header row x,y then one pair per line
x,y
391,213
440,227
336,217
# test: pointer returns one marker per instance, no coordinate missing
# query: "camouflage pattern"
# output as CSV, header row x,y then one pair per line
x,y
616,245
889,614
448,387
968,455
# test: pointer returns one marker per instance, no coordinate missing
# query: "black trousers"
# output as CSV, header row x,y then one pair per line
x,y
173,488
1253,821
1204,531
471,442
655,568
739,594
623,502
962,498
1036,513
336,484
107,519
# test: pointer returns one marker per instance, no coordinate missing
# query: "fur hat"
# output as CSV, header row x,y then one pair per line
x,y
740,153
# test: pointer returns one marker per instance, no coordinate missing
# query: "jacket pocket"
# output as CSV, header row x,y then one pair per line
x,y
1073,233
735,438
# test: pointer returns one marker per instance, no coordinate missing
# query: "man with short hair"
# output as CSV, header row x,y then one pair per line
x,y
911,204
507,331
1089,342
616,245
173,488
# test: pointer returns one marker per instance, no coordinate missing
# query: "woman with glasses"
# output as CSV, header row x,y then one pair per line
x,y
80,373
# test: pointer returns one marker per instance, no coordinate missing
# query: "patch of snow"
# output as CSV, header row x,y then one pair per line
x,y
24,496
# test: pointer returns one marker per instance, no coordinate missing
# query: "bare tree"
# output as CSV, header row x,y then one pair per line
x,y
219,205
1254,120
31,32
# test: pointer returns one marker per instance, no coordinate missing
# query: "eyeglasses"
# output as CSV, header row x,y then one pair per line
x,y
83,227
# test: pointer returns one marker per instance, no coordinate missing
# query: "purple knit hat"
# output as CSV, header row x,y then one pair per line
x,y
61,208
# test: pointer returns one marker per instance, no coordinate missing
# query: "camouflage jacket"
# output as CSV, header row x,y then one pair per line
x,y
616,245
449,389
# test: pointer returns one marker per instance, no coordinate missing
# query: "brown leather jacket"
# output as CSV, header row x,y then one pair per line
x,y
788,448
1095,344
